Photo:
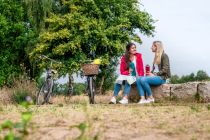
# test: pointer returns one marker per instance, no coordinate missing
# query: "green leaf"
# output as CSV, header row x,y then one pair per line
x,y
82,126
9,136
25,104
19,125
26,116
7,124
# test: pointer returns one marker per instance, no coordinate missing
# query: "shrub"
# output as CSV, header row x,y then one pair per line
x,y
79,88
23,87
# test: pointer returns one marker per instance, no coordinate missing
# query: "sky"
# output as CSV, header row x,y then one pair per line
x,y
184,28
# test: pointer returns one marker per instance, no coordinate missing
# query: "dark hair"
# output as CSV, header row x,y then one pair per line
x,y
127,54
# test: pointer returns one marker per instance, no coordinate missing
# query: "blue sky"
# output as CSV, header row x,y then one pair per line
x,y
184,28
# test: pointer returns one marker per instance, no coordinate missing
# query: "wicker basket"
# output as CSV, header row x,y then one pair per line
x,y
90,69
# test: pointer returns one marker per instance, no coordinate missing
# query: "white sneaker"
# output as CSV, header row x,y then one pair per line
x,y
113,100
124,101
143,101
151,100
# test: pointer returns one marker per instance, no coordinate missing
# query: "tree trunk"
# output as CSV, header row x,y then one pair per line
x,y
71,82
101,85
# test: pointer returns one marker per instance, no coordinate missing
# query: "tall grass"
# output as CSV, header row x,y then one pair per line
x,y
5,96
21,89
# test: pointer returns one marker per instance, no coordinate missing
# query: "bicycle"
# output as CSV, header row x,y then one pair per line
x,y
44,94
91,70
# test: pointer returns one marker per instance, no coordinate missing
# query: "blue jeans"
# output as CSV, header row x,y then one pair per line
x,y
117,88
143,84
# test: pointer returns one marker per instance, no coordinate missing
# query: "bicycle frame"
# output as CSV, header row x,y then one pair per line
x,y
45,92
91,76
50,82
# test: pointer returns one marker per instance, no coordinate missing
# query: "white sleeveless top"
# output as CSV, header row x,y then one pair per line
x,y
134,61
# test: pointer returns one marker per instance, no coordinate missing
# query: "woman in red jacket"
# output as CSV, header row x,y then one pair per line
x,y
131,66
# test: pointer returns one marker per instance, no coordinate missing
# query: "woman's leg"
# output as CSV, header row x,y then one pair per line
x,y
117,88
127,89
139,87
150,80
141,91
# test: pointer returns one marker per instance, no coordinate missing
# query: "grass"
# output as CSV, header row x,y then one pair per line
x,y
17,130
18,93
76,119
73,118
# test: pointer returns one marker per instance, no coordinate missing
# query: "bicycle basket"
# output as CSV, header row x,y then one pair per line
x,y
90,69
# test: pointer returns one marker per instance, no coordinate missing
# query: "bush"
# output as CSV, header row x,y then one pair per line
x,y
15,37
19,96
62,89
23,88
199,76
79,88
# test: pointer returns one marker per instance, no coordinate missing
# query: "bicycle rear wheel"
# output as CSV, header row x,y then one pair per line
x,y
49,89
40,97
91,92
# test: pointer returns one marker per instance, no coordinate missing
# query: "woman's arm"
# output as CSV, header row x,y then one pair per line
x,y
165,66
123,69
140,66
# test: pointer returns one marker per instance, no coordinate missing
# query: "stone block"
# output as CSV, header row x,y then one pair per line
x,y
185,91
204,91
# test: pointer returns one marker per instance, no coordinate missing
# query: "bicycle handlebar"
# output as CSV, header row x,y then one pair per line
x,y
44,56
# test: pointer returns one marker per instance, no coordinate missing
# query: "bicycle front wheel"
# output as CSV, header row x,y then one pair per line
x,y
91,92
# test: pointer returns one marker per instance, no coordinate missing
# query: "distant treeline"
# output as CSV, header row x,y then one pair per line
x,y
199,76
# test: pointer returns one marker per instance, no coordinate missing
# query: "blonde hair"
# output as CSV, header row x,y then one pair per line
x,y
159,52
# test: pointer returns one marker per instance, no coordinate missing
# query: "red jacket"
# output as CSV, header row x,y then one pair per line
x,y
139,66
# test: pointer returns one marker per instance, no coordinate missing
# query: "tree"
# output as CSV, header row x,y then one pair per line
x,y
87,29
14,37
202,76
37,11
174,79
107,76
187,78
192,77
